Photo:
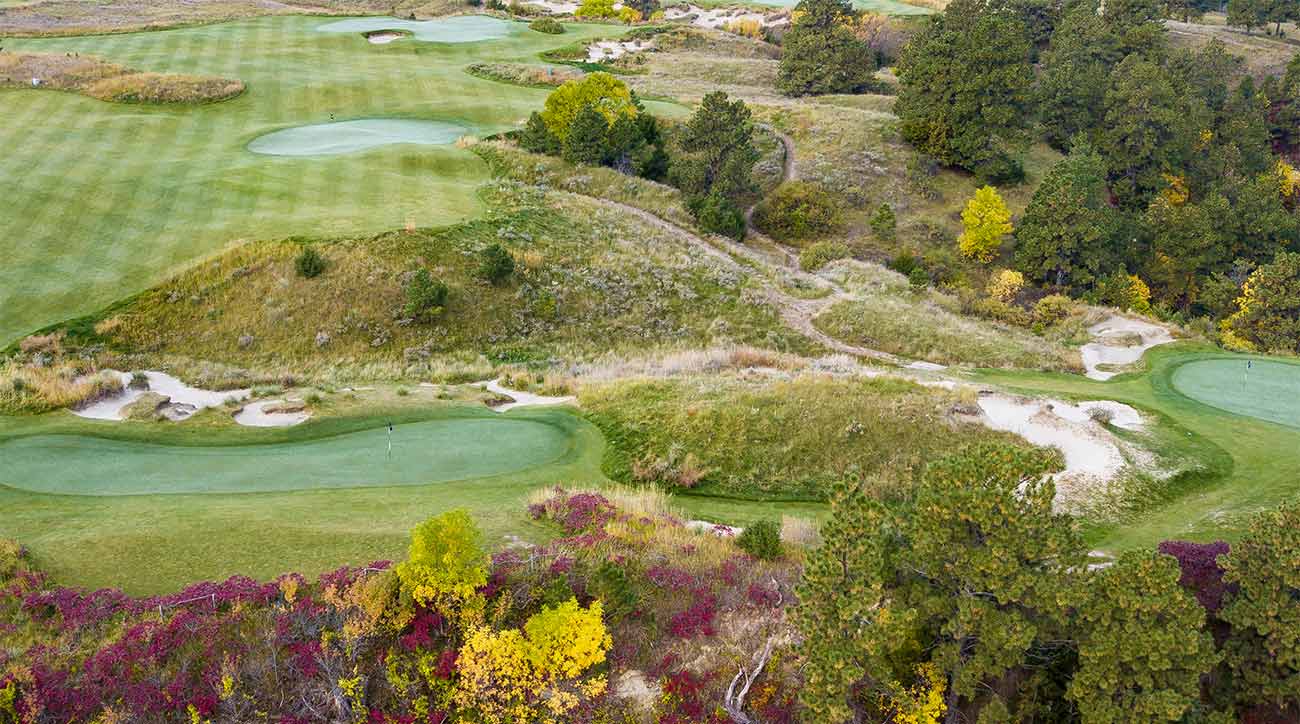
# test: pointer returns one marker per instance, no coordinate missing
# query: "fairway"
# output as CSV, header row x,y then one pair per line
x,y
102,200
424,452
1267,390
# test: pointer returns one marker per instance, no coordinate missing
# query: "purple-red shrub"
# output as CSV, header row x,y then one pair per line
x,y
1201,573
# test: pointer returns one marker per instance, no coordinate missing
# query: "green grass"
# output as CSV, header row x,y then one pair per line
x,y
1248,465
774,439
1267,390
103,200
436,451
104,530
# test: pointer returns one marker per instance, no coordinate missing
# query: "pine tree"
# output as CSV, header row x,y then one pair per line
x,y
717,150
1064,233
1143,647
587,141
965,82
821,54
536,137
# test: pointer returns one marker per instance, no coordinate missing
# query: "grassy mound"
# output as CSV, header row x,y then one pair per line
x,y
774,438
111,82
588,280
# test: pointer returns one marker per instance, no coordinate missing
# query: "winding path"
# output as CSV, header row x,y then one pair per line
x,y
798,313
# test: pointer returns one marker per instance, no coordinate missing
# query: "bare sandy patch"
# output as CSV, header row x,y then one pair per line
x,y
1120,341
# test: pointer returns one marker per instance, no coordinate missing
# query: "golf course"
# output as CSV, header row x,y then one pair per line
x,y
333,136
1241,429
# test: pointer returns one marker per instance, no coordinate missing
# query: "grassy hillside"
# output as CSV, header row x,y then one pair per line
x,y
589,280
774,438
155,188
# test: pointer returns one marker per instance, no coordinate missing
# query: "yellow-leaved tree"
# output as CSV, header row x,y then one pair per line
x,y
537,674
986,221
602,91
446,563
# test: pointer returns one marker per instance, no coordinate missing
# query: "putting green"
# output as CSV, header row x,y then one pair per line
x,y
102,200
329,139
425,452
1266,390
150,507
460,29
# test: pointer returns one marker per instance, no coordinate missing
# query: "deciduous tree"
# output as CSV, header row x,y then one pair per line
x,y
986,221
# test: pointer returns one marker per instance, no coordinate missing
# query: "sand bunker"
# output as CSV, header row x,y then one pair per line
x,y
182,400
384,37
1114,345
332,139
1092,453
611,49
459,29
522,399
720,17
561,8
272,413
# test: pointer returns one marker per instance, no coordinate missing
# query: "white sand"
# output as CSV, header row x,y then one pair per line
x,y
1105,350
556,8
255,414
522,399
1091,452
927,366
182,397
722,531
611,49
384,38
719,17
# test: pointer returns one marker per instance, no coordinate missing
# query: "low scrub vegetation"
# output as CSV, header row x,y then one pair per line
x,y
893,315
775,439
36,387
110,82
535,76
797,211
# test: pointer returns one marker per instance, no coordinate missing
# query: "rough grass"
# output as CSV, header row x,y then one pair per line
x,y
928,325
589,281
1264,55
772,437
523,74
111,82
36,388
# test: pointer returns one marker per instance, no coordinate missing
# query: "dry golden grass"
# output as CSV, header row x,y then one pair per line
x,y
111,82
29,388
523,74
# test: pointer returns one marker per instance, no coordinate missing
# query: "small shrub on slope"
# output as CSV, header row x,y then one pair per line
x,y
762,540
818,255
798,210
425,297
309,263
495,264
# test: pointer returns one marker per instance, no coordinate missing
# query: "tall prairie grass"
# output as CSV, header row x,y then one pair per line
x,y
109,81
32,388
